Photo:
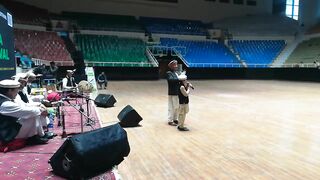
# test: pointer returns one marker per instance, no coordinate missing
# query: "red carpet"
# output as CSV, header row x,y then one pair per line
x,y
31,162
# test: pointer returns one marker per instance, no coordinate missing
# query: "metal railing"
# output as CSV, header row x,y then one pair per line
x,y
158,50
38,62
215,65
151,58
177,52
118,64
295,65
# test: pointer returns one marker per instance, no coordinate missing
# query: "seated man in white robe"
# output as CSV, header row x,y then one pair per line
x,y
19,121
27,89
23,100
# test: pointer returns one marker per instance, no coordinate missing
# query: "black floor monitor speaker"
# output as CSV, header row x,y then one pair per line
x,y
105,100
91,153
129,117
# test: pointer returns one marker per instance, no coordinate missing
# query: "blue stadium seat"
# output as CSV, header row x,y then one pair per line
x,y
204,53
257,53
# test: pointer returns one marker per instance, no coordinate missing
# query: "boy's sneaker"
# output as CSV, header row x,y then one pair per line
x,y
182,128
172,123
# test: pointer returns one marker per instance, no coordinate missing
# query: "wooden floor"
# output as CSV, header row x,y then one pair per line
x,y
240,129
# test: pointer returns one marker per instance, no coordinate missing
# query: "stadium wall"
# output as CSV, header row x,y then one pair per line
x,y
309,12
292,74
185,9
29,27
142,73
114,33
118,73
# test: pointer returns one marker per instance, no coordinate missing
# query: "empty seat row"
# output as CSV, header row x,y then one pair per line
x,y
254,52
203,53
41,45
101,48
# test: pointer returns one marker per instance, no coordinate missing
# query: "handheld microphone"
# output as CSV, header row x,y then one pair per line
x,y
190,85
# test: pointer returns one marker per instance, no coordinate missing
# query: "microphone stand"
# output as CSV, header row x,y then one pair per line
x,y
64,133
89,122
61,118
58,114
82,114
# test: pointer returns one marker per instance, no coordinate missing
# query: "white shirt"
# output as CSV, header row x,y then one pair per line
x,y
9,108
19,101
184,91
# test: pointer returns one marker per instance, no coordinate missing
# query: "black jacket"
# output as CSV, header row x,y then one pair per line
x,y
183,99
23,97
70,82
9,127
173,83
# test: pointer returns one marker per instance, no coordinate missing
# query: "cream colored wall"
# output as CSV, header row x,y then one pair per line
x,y
184,9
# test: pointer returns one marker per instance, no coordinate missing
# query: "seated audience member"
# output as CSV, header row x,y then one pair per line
x,y
18,121
23,100
23,78
102,80
41,72
69,83
53,69
31,78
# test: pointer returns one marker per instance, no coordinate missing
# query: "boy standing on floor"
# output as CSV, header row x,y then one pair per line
x,y
183,101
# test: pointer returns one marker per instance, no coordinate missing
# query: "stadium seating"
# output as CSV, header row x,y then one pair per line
x,y
41,45
306,52
257,53
173,26
112,50
89,21
203,53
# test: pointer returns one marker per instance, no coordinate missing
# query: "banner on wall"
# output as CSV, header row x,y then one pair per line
x,y
7,60
91,77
